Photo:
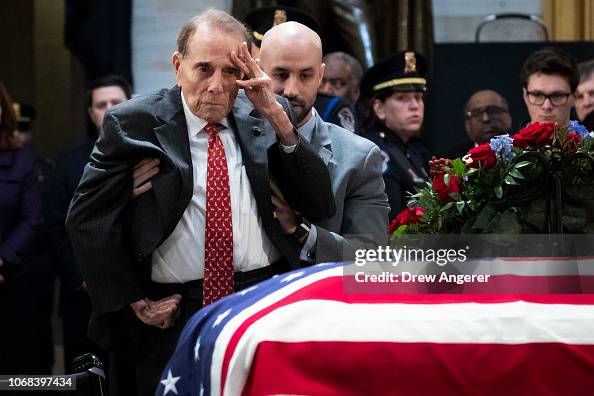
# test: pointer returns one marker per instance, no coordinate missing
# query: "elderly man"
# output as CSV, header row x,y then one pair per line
x,y
486,115
342,76
549,79
291,54
207,226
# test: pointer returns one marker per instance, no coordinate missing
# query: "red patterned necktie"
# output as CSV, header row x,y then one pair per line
x,y
218,241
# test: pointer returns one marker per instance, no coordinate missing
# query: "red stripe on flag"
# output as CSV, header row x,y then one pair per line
x,y
366,368
332,288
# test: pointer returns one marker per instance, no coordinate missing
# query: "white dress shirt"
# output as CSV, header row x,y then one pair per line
x,y
180,258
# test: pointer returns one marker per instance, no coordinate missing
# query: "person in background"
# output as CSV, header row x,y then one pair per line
x,y
396,88
584,95
20,216
41,271
74,303
342,76
341,80
549,80
486,115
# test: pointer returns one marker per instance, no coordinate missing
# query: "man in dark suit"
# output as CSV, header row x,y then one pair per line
x,y
486,115
75,306
207,226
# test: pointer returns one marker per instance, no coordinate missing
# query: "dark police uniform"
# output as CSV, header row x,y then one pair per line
x,y
406,165
335,110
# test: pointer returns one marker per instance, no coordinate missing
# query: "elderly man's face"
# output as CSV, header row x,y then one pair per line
x,y
296,72
584,98
548,98
207,75
338,80
487,115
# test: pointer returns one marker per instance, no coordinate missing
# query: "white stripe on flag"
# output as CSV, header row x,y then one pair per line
x,y
516,322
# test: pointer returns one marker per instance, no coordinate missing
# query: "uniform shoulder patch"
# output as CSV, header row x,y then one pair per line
x,y
347,118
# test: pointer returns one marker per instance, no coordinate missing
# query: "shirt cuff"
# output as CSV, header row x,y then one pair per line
x,y
308,250
288,149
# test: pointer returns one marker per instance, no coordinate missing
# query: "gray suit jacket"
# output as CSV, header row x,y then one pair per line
x,y
361,219
113,236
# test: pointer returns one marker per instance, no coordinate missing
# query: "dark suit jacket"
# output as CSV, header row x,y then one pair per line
x,y
113,236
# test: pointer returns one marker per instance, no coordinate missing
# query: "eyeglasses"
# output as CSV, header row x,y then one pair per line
x,y
556,98
492,111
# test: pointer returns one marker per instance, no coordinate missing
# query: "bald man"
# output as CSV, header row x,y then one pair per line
x,y
291,54
486,115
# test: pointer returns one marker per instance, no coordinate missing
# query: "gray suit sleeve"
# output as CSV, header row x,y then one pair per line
x,y
95,223
365,216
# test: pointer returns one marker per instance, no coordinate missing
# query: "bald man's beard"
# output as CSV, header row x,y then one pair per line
x,y
300,108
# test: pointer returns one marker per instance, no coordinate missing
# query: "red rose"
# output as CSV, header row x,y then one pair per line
x,y
443,190
481,155
573,139
410,215
534,135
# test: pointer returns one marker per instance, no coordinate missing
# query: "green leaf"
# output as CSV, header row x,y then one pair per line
x,y
400,230
458,166
498,191
517,174
446,179
446,207
460,206
510,180
521,164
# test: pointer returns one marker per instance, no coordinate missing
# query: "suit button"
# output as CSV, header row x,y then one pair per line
x,y
256,131
139,256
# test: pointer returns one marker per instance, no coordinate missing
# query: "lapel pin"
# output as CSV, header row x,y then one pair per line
x,y
256,131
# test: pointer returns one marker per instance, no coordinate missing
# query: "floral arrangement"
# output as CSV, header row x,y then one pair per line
x,y
540,180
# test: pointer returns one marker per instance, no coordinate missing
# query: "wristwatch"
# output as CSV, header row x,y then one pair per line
x,y
302,229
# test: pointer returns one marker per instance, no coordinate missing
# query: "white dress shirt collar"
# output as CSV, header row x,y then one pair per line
x,y
195,123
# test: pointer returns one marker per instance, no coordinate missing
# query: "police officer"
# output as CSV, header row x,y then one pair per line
x,y
396,88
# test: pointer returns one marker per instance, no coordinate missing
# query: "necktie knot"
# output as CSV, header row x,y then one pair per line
x,y
212,129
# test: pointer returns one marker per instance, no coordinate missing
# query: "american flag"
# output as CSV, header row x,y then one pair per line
x,y
301,333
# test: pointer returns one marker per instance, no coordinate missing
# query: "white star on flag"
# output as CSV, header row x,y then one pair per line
x,y
169,383
290,277
221,317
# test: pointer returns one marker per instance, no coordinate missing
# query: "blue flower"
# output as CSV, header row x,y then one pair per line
x,y
575,126
502,146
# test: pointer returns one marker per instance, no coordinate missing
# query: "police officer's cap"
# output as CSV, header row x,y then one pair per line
x,y
261,20
403,71
25,115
